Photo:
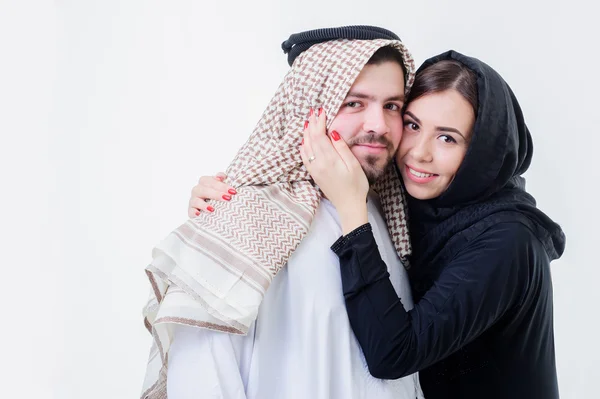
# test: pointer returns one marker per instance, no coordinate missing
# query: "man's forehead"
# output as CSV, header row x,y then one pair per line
x,y
375,83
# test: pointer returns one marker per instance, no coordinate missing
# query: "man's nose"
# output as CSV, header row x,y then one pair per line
x,y
375,121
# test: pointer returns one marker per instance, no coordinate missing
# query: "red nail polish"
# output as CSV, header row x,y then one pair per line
x,y
197,213
210,208
302,142
320,111
312,111
226,197
305,124
335,135
232,191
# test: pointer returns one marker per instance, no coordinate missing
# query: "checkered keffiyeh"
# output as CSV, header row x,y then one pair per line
x,y
213,271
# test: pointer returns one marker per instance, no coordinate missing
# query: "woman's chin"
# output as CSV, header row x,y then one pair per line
x,y
420,195
420,191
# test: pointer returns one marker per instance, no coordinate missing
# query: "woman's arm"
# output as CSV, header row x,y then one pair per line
x,y
472,292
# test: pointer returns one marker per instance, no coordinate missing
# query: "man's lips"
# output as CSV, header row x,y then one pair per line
x,y
371,148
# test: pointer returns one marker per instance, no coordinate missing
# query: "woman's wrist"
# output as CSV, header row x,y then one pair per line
x,y
353,216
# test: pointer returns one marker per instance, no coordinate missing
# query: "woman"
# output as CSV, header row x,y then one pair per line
x,y
482,323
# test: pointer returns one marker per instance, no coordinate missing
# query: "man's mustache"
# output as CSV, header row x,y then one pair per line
x,y
371,139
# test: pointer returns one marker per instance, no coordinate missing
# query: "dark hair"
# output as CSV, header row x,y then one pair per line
x,y
386,54
446,75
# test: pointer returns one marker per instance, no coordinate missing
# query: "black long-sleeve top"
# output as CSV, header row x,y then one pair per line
x,y
481,328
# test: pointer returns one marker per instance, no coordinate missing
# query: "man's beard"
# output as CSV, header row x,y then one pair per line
x,y
372,170
374,166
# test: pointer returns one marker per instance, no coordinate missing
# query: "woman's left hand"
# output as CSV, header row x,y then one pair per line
x,y
336,171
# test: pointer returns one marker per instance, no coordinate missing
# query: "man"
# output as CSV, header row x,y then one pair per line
x,y
208,274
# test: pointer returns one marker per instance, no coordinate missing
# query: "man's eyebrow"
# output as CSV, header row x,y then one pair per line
x,y
357,94
360,95
399,98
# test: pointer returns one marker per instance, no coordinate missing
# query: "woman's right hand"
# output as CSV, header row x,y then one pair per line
x,y
209,188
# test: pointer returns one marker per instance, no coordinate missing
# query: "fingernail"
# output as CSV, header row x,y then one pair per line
x,y
305,124
226,197
312,111
210,208
219,178
232,191
335,135
197,213
320,111
302,142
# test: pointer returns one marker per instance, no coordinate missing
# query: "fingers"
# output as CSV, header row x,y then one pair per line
x,y
303,154
197,205
209,188
318,132
316,143
307,157
214,182
306,141
344,151
221,176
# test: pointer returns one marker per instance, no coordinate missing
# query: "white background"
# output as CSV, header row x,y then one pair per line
x,y
110,110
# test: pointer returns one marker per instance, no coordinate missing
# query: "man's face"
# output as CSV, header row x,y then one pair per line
x,y
370,119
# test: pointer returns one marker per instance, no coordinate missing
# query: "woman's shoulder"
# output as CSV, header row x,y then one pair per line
x,y
519,230
510,238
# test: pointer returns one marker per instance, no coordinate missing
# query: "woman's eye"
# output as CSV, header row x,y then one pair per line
x,y
447,139
352,104
411,125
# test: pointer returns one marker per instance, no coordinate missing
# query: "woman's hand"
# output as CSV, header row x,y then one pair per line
x,y
209,188
336,171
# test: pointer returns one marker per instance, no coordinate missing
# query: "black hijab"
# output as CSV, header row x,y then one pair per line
x,y
489,180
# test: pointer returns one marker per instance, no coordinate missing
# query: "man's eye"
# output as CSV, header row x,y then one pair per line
x,y
353,104
392,107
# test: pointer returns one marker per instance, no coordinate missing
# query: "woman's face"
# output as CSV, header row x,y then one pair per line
x,y
437,131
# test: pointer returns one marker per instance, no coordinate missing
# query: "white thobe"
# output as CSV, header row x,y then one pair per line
x,y
301,345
